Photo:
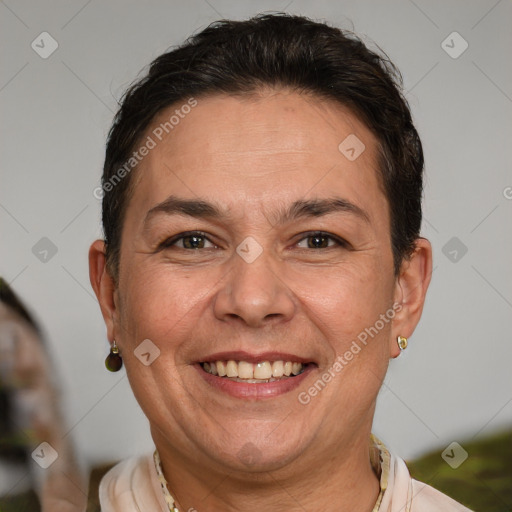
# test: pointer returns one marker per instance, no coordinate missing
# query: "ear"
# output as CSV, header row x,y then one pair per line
x,y
410,291
104,286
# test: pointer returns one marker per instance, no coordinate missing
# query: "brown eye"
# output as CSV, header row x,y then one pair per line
x,y
191,240
320,240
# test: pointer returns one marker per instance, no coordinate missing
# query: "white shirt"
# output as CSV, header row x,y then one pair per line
x,y
134,485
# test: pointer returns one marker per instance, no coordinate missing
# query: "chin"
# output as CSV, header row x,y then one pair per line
x,y
259,450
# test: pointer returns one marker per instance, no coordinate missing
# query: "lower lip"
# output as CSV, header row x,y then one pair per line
x,y
254,391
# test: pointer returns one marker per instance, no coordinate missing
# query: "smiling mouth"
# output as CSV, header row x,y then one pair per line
x,y
254,373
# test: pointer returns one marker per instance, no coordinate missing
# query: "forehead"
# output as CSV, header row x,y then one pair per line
x,y
276,146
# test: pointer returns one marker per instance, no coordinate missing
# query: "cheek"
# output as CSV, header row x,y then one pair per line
x,y
345,303
156,302
351,293
349,315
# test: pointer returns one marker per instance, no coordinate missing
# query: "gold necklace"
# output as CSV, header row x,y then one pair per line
x,y
163,482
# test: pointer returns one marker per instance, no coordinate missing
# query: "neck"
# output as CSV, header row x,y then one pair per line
x,y
342,482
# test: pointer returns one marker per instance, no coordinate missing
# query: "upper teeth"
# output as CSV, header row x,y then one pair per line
x,y
245,370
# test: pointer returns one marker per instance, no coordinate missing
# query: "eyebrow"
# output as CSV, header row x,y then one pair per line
x,y
301,208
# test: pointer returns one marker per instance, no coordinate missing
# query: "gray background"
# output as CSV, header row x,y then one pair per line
x,y
453,382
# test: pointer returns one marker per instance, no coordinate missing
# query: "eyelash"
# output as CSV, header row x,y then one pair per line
x,y
310,234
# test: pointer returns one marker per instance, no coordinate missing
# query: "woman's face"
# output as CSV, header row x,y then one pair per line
x,y
289,261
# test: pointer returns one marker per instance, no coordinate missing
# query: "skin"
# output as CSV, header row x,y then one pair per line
x,y
256,156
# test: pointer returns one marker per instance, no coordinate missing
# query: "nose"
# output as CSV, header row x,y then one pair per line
x,y
255,293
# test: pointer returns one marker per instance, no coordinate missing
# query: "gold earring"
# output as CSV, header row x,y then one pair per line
x,y
113,361
402,342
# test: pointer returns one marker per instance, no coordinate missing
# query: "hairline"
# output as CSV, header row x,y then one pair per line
x,y
254,92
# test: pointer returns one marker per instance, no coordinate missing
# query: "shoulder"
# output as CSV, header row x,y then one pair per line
x,y
132,485
404,494
428,499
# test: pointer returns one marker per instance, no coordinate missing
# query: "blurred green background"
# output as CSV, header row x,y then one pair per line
x,y
483,482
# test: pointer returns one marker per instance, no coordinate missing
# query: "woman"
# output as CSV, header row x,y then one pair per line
x,y
261,265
